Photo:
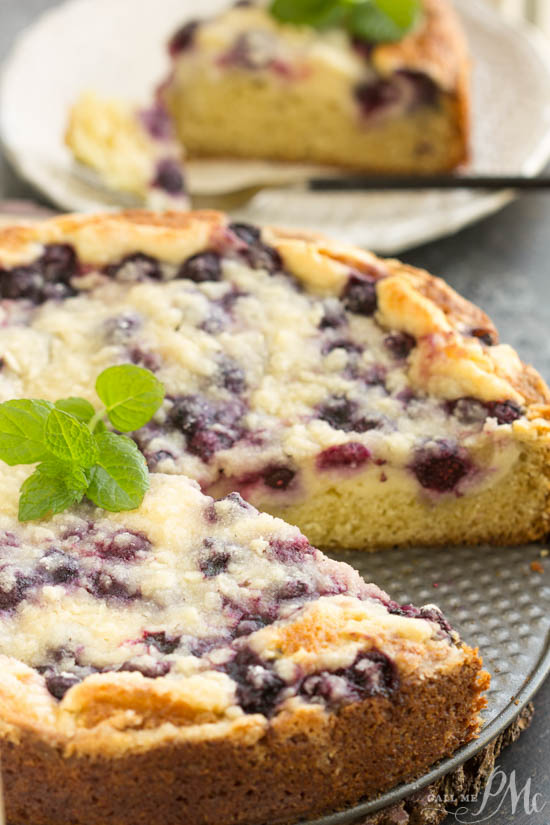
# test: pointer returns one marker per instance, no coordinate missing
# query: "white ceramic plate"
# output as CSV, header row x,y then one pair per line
x,y
116,47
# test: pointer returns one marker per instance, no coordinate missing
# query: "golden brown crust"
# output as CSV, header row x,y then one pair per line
x,y
437,47
460,312
410,299
311,762
423,305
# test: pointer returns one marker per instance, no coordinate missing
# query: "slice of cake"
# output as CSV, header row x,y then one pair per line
x,y
244,84
132,150
359,398
195,661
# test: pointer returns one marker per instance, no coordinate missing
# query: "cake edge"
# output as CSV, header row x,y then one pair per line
x,y
225,779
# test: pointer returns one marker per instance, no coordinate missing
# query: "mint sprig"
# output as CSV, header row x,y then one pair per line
x,y
78,456
374,21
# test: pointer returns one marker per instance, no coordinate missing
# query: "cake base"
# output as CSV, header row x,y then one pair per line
x,y
431,805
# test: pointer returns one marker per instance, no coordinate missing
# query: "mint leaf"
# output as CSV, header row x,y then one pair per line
x,y
73,475
131,395
383,20
69,439
374,21
120,479
318,13
43,495
78,407
22,431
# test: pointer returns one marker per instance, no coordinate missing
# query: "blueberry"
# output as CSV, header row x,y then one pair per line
x,y
206,443
290,551
441,466
47,278
184,38
293,590
228,301
124,546
399,344
65,571
377,95
258,255
343,414
8,539
418,90
484,335
258,687
375,376
160,455
231,376
359,295
333,315
221,312
413,612
253,49
59,683
351,455
119,328
505,412
468,410
65,673
150,670
78,531
200,647
208,425
157,121
371,674
342,343
211,511
425,90
106,586
339,412
143,358
169,177
135,267
246,232
249,625
205,266
214,564
162,641
264,257
278,477
59,263
237,500
9,599
406,396
191,412
471,410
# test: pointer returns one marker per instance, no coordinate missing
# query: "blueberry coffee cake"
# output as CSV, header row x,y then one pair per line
x,y
356,397
195,661
133,150
273,83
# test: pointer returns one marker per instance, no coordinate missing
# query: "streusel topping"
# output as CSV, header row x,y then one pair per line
x,y
270,383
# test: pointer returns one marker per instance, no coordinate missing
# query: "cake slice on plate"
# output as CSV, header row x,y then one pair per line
x,y
132,150
197,661
247,84
356,397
